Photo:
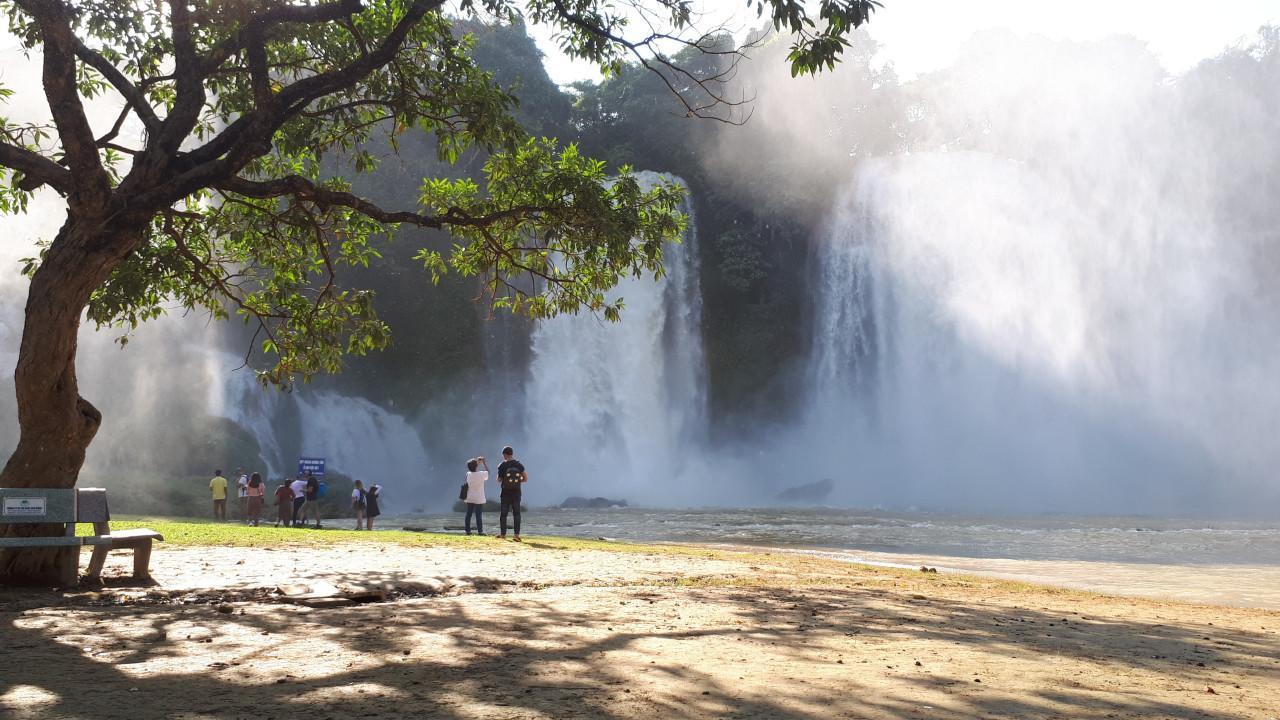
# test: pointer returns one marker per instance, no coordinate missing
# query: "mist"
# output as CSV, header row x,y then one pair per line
x,y
1040,279
1045,282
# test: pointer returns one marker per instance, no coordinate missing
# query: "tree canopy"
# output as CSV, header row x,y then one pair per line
x,y
208,187
235,103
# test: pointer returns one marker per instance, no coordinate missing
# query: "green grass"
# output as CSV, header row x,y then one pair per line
x,y
193,532
182,532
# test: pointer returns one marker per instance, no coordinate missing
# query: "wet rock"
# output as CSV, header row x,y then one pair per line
x,y
810,493
595,503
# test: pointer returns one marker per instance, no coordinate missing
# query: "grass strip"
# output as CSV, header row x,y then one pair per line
x,y
186,532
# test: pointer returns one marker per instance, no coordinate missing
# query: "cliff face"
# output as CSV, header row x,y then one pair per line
x,y
753,259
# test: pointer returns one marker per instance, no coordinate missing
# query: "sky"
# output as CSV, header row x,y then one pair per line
x,y
924,35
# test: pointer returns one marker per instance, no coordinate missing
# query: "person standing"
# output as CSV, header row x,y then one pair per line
x,y
218,488
358,502
256,492
311,494
475,493
511,477
284,504
242,494
372,497
299,489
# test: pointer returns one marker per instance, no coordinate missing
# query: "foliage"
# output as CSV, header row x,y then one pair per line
x,y
742,262
226,205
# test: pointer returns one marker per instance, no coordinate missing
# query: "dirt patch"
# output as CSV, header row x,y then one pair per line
x,y
525,632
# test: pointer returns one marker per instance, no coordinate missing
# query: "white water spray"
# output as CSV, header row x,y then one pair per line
x,y
1056,301
614,409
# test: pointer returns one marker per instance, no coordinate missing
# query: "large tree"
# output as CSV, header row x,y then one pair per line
x,y
205,188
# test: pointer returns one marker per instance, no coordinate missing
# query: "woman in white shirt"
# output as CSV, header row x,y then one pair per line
x,y
475,493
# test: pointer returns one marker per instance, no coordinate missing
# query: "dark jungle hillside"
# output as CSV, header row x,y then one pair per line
x,y
753,259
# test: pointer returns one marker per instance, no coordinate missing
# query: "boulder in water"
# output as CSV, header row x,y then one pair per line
x,y
810,493
594,503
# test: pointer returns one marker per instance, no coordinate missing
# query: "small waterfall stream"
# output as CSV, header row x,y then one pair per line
x,y
613,408
355,436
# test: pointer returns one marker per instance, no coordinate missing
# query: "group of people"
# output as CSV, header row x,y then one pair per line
x,y
364,501
296,499
511,479
250,492
299,498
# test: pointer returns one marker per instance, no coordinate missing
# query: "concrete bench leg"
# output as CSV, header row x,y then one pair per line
x,y
142,560
96,561
69,562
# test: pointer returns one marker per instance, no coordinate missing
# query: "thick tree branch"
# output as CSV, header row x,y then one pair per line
x,y
301,188
260,75
305,91
90,180
130,92
265,23
188,84
249,136
36,169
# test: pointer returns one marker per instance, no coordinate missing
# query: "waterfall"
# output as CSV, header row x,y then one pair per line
x,y
365,441
974,354
355,436
843,346
613,408
235,393
1053,297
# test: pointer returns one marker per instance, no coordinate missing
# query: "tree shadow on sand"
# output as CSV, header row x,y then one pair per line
x,y
524,654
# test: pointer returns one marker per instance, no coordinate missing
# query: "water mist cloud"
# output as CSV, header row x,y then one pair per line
x,y
1061,278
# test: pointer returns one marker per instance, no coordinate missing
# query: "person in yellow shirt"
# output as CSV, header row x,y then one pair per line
x,y
218,486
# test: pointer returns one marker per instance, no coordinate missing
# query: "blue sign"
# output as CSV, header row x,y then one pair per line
x,y
315,466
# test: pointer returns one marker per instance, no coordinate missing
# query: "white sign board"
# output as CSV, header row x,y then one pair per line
x,y
31,506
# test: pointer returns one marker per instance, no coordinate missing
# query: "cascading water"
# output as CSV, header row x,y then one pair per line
x,y
355,436
366,442
236,394
1044,295
844,346
613,408
1055,311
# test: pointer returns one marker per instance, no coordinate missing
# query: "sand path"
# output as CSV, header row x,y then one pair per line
x,y
524,631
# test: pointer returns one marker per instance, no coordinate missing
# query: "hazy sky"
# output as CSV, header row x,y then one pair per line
x,y
923,35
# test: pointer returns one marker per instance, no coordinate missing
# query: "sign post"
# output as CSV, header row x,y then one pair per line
x,y
312,465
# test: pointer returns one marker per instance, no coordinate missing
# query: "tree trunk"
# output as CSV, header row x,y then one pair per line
x,y
56,424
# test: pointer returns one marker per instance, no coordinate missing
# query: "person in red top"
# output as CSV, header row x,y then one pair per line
x,y
284,504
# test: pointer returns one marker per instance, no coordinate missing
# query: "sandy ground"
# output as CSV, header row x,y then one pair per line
x,y
522,631
1236,585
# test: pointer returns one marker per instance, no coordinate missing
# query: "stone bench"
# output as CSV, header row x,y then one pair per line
x,y
68,507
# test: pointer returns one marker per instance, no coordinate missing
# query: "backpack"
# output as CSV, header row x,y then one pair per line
x,y
511,478
320,488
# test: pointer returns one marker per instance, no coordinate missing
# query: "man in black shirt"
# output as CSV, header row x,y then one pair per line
x,y
511,476
312,504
